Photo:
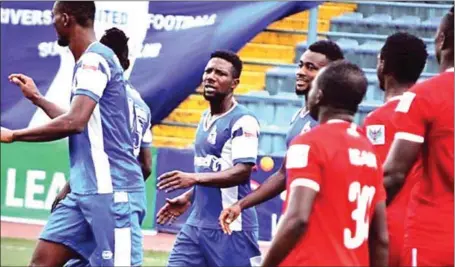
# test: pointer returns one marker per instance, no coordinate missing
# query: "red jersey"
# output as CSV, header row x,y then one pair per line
x,y
425,115
380,129
336,160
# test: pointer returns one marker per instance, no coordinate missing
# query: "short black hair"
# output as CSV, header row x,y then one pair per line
x,y
447,28
328,48
117,40
83,11
232,58
404,57
343,85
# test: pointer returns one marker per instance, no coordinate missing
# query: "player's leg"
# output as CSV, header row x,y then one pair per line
x,y
238,249
186,250
138,203
65,236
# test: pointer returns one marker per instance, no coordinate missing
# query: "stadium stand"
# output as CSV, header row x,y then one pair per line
x,y
268,79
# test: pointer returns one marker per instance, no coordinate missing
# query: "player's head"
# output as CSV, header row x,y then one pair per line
x,y
444,37
339,86
117,40
71,14
221,75
402,58
317,56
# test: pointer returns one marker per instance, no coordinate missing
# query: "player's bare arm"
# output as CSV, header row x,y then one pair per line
x,y
31,92
293,226
145,159
379,237
236,175
271,188
402,156
174,208
72,122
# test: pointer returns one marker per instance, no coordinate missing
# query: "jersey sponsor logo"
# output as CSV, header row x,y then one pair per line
x,y
376,134
297,156
211,162
211,138
362,158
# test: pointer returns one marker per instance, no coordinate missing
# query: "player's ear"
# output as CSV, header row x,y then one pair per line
x,y
65,20
235,83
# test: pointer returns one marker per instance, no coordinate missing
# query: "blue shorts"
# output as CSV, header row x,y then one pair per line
x,y
103,229
211,247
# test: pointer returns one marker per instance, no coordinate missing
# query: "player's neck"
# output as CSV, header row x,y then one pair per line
x,y
394,88
85,37
218,108
446,63
328,113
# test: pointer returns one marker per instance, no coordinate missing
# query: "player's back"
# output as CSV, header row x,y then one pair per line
x,y
140,118
426,115
101,157
380,130
350,185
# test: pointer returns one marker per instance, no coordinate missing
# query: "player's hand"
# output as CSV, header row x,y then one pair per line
x,y
6,135
227,216
27,85
174,180
172,210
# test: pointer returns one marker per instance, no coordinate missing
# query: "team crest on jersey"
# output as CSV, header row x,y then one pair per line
x,y
211,138
306,128
376,134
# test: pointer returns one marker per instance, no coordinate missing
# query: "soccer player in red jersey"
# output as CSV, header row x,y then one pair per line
x,y
397,72
424,117
334,186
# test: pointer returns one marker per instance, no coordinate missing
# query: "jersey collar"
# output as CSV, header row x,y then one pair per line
x,y
449,69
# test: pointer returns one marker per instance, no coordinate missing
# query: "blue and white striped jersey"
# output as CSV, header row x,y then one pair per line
x,y
101,157
222,142
140,120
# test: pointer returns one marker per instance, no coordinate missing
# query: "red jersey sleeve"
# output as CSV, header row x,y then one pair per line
x,y
303,163
411,117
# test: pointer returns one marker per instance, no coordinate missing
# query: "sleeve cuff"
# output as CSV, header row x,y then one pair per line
x,y
409,137
145,144
305,182
245,160
87,93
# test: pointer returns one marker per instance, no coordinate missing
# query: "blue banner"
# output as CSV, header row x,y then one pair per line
x,y
170,43
268,212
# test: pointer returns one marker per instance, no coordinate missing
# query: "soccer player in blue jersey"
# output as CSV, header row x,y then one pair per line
x,y
226,149
317,56
100,218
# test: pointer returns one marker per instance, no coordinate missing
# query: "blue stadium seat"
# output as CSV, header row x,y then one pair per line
x,y
399,9
283,114
280,79
345,22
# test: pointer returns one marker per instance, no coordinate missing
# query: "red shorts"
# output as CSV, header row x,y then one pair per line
x,y
426,257
396,239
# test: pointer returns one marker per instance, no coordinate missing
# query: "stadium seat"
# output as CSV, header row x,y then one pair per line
x,y
280,79
398,9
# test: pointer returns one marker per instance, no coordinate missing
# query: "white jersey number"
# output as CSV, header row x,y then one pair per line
x,y
363,196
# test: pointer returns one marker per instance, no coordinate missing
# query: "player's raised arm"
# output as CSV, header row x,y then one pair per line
x,y
31,92
91,79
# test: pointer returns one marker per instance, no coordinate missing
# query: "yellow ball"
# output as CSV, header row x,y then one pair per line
x,y
267,164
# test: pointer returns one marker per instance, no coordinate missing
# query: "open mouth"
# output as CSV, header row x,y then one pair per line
x,y
208,89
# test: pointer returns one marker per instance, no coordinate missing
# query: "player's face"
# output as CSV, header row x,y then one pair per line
x,y
217,80
314,98
380,72
309,65
61,23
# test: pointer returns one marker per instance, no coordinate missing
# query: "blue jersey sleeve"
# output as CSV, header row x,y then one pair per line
x,y
91,76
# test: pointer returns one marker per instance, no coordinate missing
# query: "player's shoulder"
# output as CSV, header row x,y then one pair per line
x,y
383,113
241,112
136,96
427,87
